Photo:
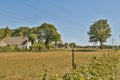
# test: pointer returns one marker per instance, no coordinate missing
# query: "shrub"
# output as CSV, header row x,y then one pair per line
x,y
103,68
38,46
7,48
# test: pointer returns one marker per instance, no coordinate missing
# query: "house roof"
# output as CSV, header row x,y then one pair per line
x,y
13,40
2,43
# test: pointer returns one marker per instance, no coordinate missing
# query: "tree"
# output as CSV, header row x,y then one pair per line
x,y
38,46
32,38
72,45
21,32
7,32
57,37
49,33
99,32
37,31
66,45
2,35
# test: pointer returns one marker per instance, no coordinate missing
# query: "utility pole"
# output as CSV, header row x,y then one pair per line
x,y
73,64
112,45
119,44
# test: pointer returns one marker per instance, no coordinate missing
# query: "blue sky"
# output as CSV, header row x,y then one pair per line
x,y
71,17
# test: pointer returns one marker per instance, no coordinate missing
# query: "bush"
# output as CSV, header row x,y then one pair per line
x,y
7,48
38,46
103,68
19,49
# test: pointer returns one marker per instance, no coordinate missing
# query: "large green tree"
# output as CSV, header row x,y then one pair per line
x,y
99,31
48,33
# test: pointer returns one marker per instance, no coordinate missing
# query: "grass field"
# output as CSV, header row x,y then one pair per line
x,y
28,65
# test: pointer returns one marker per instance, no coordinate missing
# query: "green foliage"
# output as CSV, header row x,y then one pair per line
x,y
57,37
38,46
99,32
103,68
7,32
66,45
7,48
19,49
4,32
72,45
44,74
49,34
44,33
50,45
21,31
32,38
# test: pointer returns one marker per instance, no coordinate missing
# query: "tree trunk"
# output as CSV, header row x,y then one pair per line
x,y
46,44
101,45
55,44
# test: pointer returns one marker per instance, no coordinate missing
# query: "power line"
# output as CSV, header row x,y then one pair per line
x,y
56,6
65,10
47,13
14,17
37,9
23,16
42,11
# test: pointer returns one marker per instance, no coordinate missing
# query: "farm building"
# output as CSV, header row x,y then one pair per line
x,y
18,42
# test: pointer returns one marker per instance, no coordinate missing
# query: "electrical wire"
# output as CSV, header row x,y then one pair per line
x,y
42,11
14,17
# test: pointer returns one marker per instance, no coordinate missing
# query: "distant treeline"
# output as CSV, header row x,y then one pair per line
x,y
104,47
41,37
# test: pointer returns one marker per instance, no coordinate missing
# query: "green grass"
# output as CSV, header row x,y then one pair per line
x,y
28,65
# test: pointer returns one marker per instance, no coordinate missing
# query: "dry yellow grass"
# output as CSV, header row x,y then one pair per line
x,y
28,65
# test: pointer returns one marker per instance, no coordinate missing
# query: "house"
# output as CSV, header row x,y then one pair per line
x,y
18,42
